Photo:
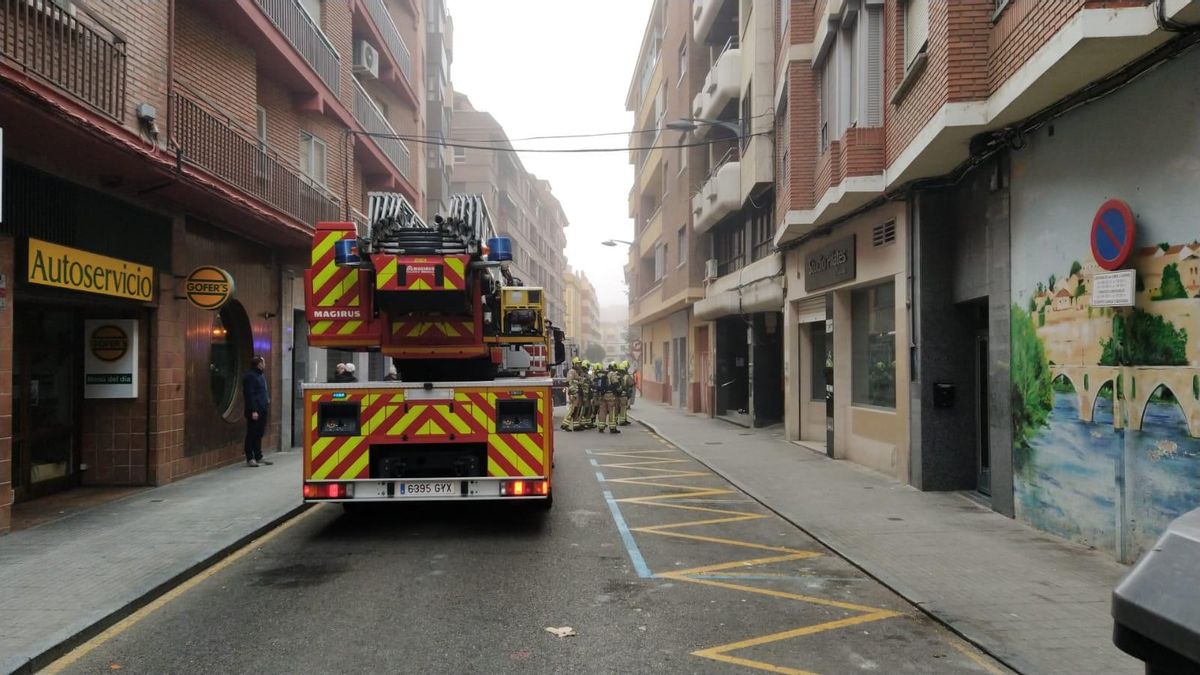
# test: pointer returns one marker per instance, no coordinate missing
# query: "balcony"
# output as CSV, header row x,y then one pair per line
x,y
298,28
391,36
373,122
722,85
708,13
719,196
83,57
212,142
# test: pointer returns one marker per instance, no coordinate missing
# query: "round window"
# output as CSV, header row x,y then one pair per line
x,y
228,356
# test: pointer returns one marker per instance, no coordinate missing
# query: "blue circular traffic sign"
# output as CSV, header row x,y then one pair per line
x,y
1113,234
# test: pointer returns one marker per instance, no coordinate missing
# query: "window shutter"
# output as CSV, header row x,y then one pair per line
x,y
916,28
874,76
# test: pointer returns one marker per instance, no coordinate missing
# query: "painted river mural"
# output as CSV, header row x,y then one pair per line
x,y
1107,402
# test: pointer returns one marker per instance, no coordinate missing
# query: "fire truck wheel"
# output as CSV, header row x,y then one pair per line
x,y
543,505
353,508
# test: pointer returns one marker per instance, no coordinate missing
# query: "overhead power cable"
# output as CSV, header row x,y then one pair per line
x,y
439,142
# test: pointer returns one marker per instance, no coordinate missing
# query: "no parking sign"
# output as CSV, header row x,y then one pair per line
x,y
1113,233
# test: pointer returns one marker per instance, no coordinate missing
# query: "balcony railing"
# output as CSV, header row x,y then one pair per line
x,y
82,55
391,35
372,120
303,34
214,143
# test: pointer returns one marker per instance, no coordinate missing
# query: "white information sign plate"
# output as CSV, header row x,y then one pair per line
x,y
1114,289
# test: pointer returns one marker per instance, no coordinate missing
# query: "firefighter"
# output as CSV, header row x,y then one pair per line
x,y
583,418
626,393
611,381
594,395
573,401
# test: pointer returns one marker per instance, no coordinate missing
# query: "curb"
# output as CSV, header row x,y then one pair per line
x,y
831,545
49,655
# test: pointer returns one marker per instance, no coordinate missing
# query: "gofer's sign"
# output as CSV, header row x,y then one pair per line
x,y
829,265
209,287
76,270
110,364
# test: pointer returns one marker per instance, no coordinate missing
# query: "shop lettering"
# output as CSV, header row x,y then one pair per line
x,y
826,261
209,287
53,265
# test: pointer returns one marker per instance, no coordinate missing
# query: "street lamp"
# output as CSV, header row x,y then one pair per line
x,y
614,242
693,123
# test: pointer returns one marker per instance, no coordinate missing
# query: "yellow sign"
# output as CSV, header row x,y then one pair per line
x,y
109,343
54,265
209,287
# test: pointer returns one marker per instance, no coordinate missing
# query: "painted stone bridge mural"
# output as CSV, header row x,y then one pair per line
x,y
1107,402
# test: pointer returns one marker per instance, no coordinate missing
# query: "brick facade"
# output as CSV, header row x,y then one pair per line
x,y
214,58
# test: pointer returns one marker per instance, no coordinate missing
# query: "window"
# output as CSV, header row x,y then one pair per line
x,y
873,361
681,244
660,262
729,249
313,9
747,120
683,59
851,87
784,11
916,30
761,232
460,155
818,360
228,357
312,157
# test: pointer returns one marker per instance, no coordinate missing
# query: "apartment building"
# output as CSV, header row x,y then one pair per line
x,y
581,309
939,167
665,271
144,140
522,205
733,207
439,104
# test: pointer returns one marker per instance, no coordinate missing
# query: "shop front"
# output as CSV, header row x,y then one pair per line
x,y
845,338
78,304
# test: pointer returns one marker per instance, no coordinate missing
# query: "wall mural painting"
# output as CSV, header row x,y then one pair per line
x,y
1106,402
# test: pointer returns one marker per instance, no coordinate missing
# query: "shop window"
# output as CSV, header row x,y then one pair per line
x,y
229,356
873,327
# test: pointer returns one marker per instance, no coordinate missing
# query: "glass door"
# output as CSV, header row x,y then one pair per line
x,y
45,400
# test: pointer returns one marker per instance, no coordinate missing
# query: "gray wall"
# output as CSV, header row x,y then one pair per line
x,y
961,257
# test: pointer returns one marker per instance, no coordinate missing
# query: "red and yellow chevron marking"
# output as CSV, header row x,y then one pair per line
x,y
421,273
431,422
434,330
337,457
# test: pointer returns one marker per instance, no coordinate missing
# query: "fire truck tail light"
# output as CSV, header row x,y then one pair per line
x,y
328,491
524,488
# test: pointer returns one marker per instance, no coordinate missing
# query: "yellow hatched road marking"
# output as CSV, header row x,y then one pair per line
x,y
654,471
514,460
323,247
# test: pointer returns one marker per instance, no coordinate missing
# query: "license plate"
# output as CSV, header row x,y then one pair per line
x,y
429,489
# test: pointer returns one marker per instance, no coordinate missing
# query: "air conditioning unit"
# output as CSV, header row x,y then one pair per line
x,y
366,59
710,269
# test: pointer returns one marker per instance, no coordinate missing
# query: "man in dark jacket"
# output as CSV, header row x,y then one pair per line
x,y
258,404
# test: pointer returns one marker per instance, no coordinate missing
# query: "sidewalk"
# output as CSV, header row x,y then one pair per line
x,y
1037,603
66,580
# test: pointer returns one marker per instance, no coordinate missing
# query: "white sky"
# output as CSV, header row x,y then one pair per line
x,y
552,67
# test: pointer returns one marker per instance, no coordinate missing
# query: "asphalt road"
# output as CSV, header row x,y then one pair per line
x,y
657,564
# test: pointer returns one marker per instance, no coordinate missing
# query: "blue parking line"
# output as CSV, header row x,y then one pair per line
x,y
635,554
